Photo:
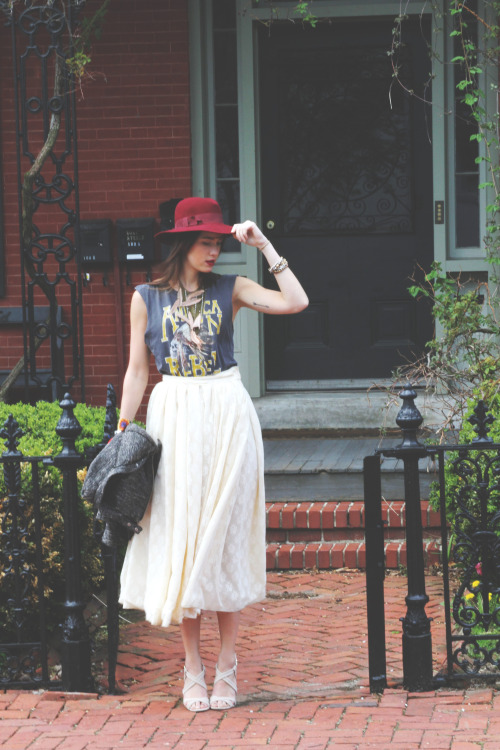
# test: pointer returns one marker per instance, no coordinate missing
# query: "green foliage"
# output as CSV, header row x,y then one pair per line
x,y
455,483
476,602
462,362
302,10
40,439
81,42
473,60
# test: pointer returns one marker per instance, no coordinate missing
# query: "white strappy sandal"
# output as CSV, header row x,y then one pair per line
x,y
228,677
189,681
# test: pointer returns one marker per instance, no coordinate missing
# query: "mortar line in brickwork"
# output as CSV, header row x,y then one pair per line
x,y
360,546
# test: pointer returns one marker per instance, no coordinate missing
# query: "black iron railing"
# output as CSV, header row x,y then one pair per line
x,y
24,658
470,539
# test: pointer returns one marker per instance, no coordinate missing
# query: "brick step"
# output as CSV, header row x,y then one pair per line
x,y
342,554
329,535
289,519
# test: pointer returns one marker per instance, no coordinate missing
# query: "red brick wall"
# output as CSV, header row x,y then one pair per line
x,y
134,153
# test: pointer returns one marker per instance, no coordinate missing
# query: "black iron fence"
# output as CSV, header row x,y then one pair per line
x,y
469,498
24,648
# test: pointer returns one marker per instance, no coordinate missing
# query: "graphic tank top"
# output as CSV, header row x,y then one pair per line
x,y
191,341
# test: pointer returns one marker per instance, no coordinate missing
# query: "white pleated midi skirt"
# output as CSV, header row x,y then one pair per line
x,y
202,546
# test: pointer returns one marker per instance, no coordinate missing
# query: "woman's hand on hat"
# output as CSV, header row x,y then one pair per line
x,y
249,233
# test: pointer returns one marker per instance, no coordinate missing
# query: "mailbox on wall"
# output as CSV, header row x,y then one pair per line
x,y
95,242
167,214
167,221
135,239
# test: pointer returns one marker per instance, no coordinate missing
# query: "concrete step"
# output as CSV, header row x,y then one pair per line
x,y
319,469
342,408
330,535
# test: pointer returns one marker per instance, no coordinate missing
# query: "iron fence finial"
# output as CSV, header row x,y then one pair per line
x,y
68,428
480,420
409,418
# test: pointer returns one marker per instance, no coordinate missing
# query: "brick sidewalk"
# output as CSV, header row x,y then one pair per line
x,y
303,683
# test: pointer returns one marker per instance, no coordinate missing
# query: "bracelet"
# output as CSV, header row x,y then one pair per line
x,y
279,266
122,425
264,246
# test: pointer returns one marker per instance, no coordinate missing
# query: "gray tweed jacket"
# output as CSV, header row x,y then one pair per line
x,y
120,481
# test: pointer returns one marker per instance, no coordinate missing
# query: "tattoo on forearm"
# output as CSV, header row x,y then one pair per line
x,y
258,304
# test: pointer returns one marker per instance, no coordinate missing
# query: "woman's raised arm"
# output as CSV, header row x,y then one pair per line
x,y
291,297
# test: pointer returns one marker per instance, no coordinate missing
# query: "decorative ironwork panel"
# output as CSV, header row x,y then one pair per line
x,y
48,193
345,146
24,658
472,594
476,551
469,488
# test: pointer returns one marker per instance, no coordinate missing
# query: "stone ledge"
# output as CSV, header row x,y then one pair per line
x,y
344,412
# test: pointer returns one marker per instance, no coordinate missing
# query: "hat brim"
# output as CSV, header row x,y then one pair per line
x,y
215,228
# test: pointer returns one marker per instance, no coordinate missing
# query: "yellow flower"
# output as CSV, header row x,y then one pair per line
x,y
490,595
475,584
469,595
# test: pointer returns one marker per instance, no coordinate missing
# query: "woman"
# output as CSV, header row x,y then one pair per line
x,y
203,541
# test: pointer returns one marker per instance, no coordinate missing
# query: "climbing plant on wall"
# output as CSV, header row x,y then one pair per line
x,y
462,362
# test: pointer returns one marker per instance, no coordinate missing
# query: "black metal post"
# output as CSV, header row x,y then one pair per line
x,y
76,672
417,643
110,558
375,571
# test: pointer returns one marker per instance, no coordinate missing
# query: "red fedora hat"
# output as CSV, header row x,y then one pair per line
x,y
198,215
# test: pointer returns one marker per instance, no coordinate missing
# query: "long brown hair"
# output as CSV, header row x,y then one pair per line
x,y
170,269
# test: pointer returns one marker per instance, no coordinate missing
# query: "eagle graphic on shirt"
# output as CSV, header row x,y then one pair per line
x,y
192,336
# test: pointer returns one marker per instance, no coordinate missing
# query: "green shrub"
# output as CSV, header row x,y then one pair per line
x,y
40,439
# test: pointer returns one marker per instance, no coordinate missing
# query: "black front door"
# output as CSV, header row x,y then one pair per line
x,y
346,195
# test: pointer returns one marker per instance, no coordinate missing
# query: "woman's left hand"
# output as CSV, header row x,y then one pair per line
x,y
249,233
